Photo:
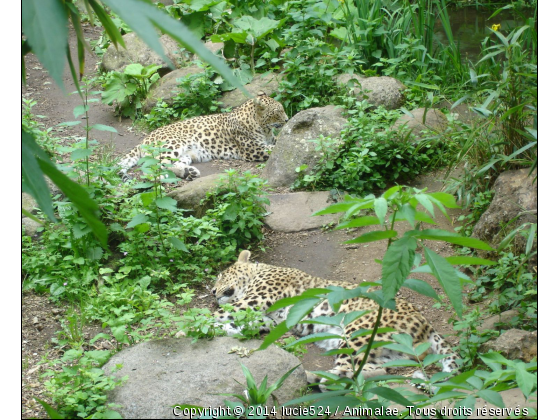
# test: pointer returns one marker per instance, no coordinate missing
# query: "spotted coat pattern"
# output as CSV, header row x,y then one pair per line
x,y
246,284
244,133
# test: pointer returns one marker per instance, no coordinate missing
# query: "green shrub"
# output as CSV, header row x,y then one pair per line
x,y
197,95
368,159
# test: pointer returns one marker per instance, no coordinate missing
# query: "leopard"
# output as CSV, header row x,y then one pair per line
x,y
247,132
246,284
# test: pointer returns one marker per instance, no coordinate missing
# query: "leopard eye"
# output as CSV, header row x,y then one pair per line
x,y
228,292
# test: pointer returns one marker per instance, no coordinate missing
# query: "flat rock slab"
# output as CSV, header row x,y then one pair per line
x,y
165,373
292,212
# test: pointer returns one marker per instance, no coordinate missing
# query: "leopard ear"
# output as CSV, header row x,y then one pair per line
x,y
244,256
261,93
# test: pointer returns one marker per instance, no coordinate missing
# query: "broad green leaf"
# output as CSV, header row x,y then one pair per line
x,y
80,110
167,203
177,243
32,175
79,154
102,127
526,381
311,338
53,414
446,276
274,335
373,236
420,286
148,198
425,201
446,199
45,24
492,397
397,264
469,261
335,208
380,207
300,310
340,294
358,222
453,238
136,220
391,395
258,27
282,303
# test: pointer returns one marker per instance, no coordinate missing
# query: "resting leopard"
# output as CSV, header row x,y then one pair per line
x,y
244,133
246,284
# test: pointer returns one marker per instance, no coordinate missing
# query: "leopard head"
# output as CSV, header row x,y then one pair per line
x,y
269,112
232,282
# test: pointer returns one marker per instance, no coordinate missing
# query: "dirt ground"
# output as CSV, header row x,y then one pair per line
x,y
319,253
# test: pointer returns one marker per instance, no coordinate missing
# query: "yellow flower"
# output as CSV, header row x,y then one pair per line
x,y
496,27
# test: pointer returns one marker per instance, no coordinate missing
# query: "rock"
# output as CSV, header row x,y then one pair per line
x,y
514,344
30,226
293,147
165,373
28,203
189,196
214,47
435,120
515,195
137,51
503,318
282,217
167,87
268,84
379,91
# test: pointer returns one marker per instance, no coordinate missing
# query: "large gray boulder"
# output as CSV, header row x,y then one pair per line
x,y
267,84
515,198
165,373
514,344
420,120
283,218
293,146
167,87
190,195
379,91
137,51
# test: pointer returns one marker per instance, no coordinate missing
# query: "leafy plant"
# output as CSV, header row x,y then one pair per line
x,y
238,205
368,159
79,389
129,88
197,95
309,74
256,397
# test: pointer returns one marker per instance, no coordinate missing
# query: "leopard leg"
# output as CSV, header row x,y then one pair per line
x,y
129,161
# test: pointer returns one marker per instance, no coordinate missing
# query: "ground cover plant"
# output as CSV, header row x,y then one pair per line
x,y
126,258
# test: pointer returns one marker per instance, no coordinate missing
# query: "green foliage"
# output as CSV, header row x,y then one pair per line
x,y
238,206
309,74
128,89
289,345
476,208
368,159
510,285
255,399
197,95
79,387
